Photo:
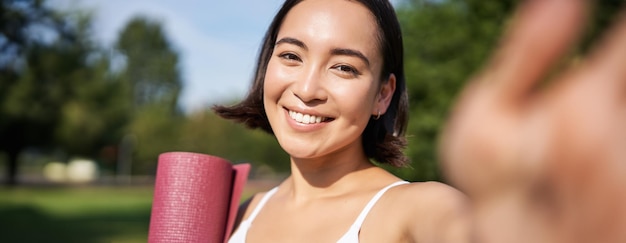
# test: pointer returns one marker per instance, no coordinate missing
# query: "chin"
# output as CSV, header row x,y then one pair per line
x,y
298,150
301,154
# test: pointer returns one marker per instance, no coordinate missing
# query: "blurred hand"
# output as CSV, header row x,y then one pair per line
x,y
542,151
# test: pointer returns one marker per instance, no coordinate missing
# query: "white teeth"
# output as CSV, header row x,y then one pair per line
x,y
305,118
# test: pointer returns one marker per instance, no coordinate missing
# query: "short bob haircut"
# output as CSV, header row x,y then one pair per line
x,y
383,138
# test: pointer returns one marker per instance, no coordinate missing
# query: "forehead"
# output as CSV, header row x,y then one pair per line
x,y
340,23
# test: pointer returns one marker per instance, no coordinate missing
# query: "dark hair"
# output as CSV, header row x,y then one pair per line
x,y
383,139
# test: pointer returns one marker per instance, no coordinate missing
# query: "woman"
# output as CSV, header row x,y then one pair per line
x,y
330,86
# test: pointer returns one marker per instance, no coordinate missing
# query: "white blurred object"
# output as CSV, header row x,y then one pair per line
x,y
81,170
55,172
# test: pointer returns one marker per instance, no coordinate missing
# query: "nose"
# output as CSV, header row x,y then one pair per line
x,y
309,86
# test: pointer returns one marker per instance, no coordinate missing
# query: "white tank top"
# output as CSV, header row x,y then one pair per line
x,y
351,236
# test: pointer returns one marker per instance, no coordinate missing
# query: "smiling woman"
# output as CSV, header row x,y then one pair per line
x,y
330,87
320,68
539,150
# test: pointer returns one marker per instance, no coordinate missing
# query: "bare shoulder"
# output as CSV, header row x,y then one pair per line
x,y
431,199
428,193
434,212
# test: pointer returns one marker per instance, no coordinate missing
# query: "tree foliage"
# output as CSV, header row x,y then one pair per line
x,y
54,87
153,82
151,69
444,41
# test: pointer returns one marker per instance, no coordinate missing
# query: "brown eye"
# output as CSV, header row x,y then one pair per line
x,y
290,57
347,69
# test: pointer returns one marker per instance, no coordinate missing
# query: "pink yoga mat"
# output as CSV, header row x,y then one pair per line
x,y
196,197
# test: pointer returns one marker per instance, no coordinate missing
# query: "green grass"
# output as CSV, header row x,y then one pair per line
x,y
69,214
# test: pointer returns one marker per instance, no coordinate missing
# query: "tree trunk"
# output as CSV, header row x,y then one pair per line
x,y
11,171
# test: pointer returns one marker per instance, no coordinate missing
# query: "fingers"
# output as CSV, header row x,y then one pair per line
x,y
608,60
540,33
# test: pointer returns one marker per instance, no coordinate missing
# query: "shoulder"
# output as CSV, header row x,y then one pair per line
x,y
427,193
246,208
432,210
432,199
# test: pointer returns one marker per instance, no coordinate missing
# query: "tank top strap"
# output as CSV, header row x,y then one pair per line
x,y
258,207
359,220
240,235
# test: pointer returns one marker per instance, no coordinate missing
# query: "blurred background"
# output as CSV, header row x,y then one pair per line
x,y
91,92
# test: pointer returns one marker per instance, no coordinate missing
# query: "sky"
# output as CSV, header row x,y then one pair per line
x,y
217,40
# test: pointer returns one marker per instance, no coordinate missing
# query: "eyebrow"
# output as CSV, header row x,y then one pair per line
x,y
350,52
293,41
336,51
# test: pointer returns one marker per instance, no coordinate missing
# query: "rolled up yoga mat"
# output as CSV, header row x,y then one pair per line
x,y
196,197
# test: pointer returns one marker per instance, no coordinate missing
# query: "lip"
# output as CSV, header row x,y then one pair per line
x,y
302,126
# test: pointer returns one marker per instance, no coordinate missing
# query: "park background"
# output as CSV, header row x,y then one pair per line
x,y
84,115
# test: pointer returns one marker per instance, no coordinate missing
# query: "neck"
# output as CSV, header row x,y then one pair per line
x,y
312,179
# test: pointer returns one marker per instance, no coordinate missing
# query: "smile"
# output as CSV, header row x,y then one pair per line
x,y
306,118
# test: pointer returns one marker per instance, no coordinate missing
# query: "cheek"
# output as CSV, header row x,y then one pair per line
x,y
366,107
357,100
275,80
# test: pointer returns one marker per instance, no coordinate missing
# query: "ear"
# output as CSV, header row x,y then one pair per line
x,y
383,98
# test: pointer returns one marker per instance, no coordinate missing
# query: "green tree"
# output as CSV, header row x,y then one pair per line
x,y
39,48
151,69
444,41
57,89
152,77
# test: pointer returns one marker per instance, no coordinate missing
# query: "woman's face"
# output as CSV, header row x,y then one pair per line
x,y
322,82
